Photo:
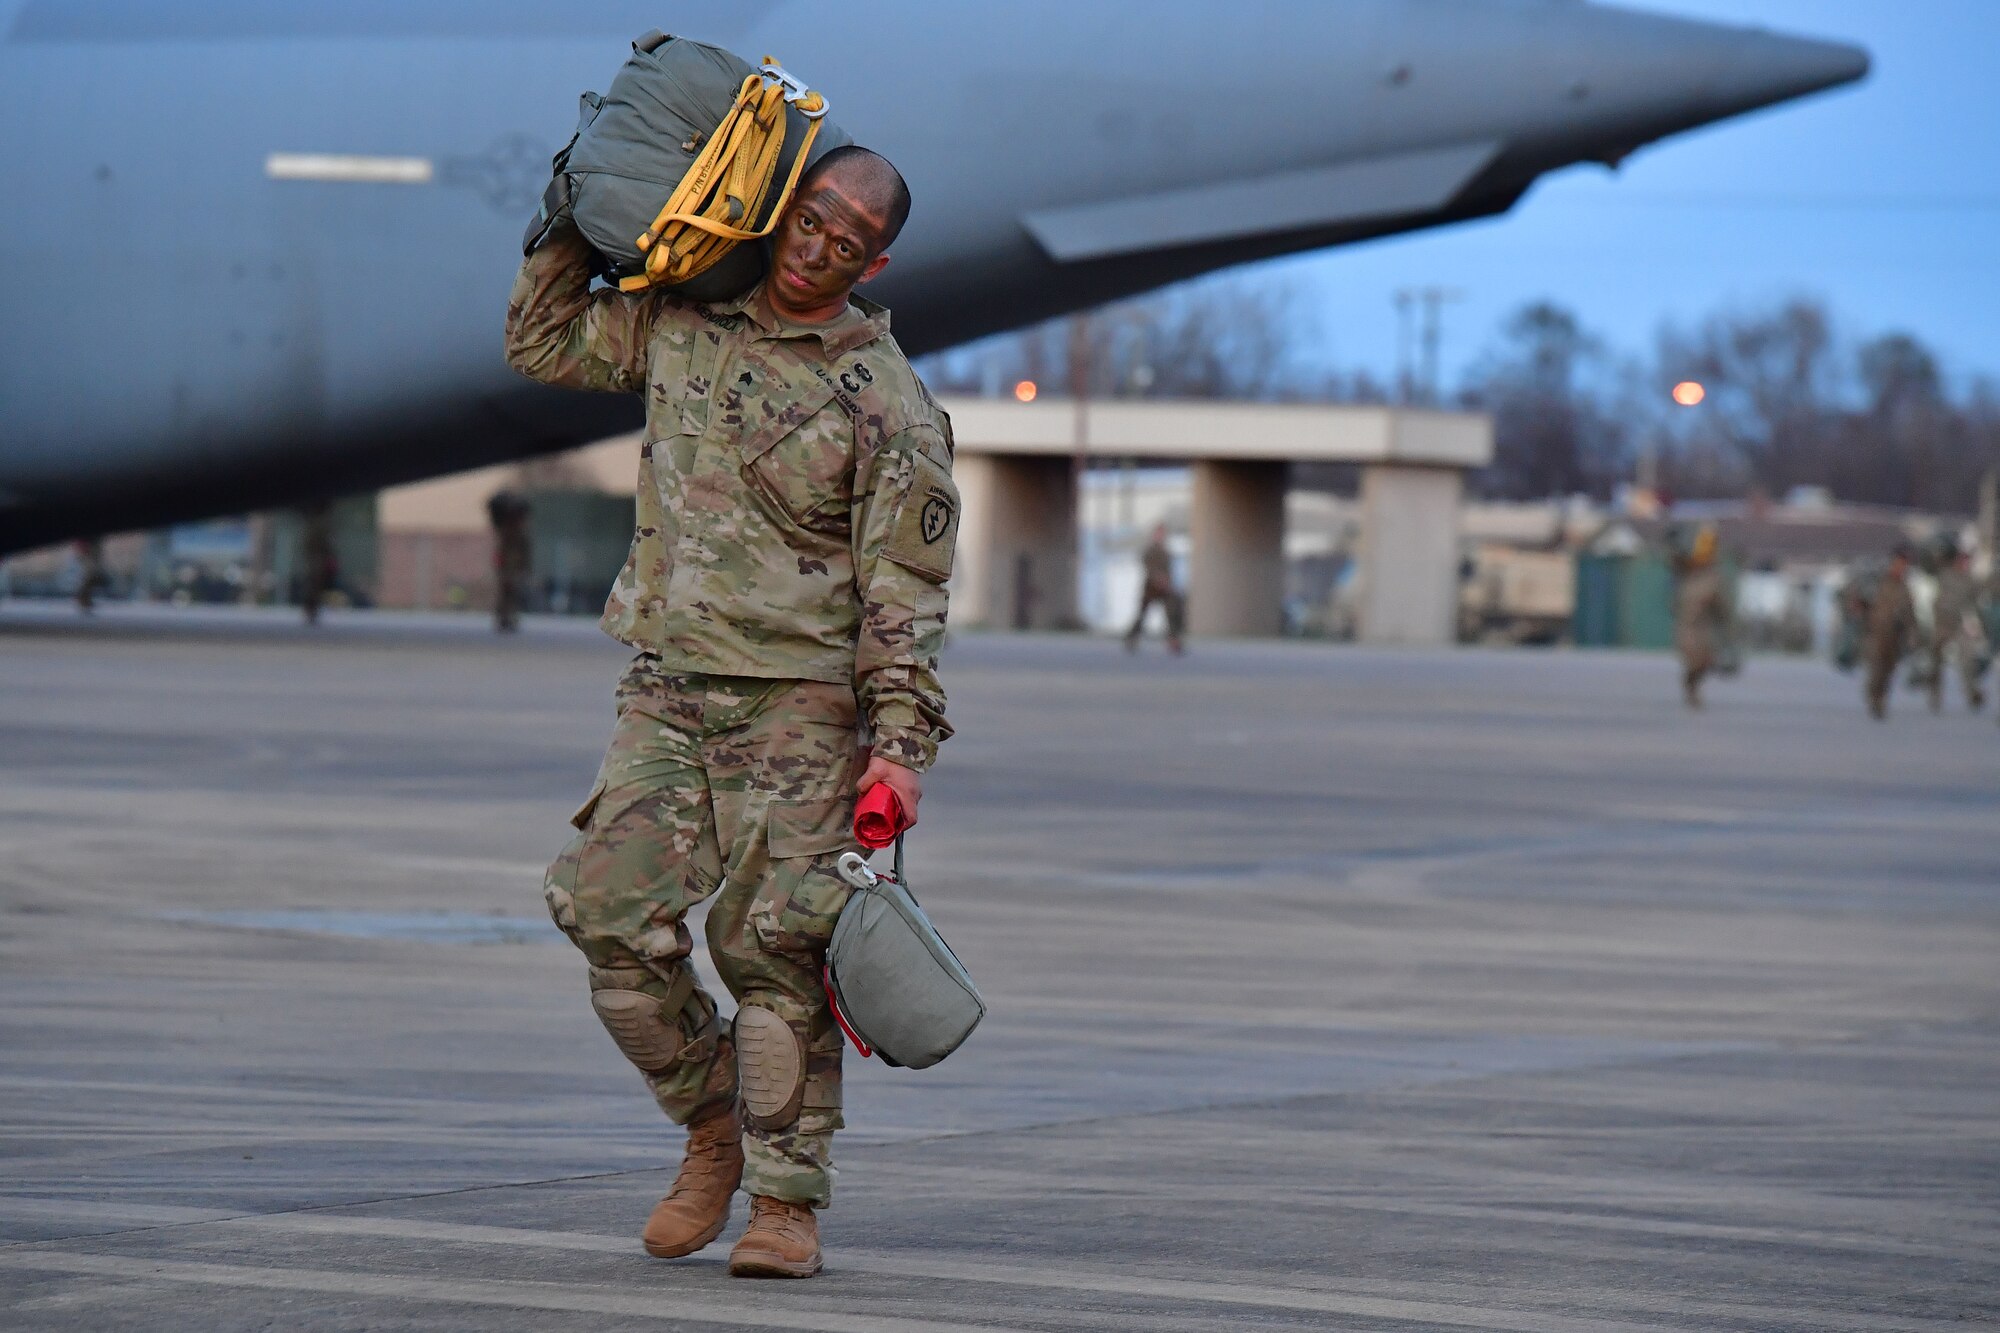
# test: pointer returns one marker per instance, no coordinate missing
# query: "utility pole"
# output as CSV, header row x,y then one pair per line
x,y
1079,391
1433,300
1404,384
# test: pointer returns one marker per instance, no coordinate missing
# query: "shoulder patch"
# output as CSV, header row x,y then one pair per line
x,y
926,526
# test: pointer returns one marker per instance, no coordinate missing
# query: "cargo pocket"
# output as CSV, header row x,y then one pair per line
x,y
559,886
581,819
803,894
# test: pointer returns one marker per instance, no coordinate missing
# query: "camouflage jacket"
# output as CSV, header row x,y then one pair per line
x,y
796,512
1956,607
1701,611
1890,619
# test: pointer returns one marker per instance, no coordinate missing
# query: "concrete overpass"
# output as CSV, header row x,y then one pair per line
x,y
1016,470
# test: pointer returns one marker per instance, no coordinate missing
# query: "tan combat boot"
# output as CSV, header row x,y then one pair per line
x,y
697,1208
783,1240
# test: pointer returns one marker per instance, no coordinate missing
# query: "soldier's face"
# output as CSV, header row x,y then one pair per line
x,y
825,245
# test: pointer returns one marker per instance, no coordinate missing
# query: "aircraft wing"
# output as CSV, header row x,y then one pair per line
x,y
1389,186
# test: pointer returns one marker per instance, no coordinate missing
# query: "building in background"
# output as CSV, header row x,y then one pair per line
x,y
1039,475
1789,560
1054,540
437,543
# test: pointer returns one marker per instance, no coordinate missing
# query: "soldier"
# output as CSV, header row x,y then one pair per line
x,y
785,590
512,558
1958,631
1888,628
1986,608
90,573
1158,563
318,563
1703,616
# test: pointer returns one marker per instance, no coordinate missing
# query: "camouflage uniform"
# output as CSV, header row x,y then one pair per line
x,y
1701,618
316,554
513,558
1889,629
796,518
1158,564
1958,636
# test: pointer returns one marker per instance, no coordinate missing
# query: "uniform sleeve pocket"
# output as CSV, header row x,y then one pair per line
x,y
678,392
926,524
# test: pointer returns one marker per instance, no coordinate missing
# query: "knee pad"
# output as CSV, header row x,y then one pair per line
x,y
643,1021
771,1067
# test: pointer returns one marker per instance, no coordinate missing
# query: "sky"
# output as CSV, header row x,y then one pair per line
x,y
1882,199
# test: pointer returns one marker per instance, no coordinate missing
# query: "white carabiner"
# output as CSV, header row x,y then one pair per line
x,y
857,871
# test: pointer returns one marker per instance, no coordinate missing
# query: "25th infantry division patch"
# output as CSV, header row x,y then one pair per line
x,y
927,524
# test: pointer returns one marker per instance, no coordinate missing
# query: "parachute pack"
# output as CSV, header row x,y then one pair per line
x,y
897,989
689,155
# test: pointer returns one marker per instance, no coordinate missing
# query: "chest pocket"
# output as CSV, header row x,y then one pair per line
x,y
804,471
681,382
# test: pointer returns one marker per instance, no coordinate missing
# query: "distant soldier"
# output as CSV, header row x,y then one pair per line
x,y
1704,620
90,573
316,559
512,557
1958,629
1158,563
1986,607
1888,620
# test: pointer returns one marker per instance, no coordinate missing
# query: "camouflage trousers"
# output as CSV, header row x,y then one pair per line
x,y
1880,663
1169,598
1965,652
739,790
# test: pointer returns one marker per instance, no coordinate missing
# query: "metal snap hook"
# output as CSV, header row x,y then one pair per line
x,y
856,871
796,91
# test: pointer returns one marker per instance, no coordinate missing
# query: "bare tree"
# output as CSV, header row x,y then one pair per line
x,y
1788,402
1556,402
1772,380
1236,338
1788,406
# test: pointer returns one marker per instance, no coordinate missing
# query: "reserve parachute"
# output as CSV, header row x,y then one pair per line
x,y
691,155
897,989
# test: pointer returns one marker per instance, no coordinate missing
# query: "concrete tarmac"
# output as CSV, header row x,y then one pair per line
x,y
1331,989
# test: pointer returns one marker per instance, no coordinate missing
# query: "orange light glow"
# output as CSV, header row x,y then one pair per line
x,y
1025,391
1689,394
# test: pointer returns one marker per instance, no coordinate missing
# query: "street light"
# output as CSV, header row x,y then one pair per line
x,y
1025,391
1689,393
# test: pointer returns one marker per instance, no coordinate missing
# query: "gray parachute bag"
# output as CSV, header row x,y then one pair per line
x,y
634,143
898,990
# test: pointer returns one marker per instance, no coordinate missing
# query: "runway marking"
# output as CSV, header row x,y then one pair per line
x,y
1310,1297
1467,1315
513,1294
1314,1298
18,1207
1884,1214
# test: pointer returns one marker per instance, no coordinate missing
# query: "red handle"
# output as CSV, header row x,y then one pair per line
x,y
879,817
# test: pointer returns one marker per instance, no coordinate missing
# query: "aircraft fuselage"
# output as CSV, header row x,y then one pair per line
x,y
194,323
